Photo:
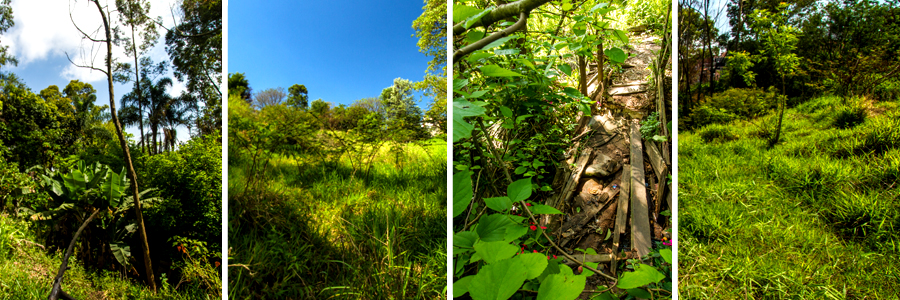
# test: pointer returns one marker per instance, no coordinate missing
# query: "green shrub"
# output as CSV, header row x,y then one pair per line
x,y
717,133
887,91
733,104
849,116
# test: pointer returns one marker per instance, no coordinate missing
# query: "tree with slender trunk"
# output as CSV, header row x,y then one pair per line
x,y
107,39
133,14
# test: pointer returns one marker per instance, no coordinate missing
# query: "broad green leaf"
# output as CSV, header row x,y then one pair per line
x,y
477,94
587,273
544,210
463,108
514,232
497,71
521,170
666,255
121,251
473,19
461,286
479,55
566,69
500,204
537,164
519,190
465,239
642,275
534,262
97,176
567,6
492,228
506,111
492,252
552,268
585,109
462,191
499,42
561,287
593,9
621,35
459,84
462,12
498,281
616,55
114,188
74,182
573,93
474,36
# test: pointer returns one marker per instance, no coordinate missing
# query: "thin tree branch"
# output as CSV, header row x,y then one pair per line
x,y
56,292
458,55
500,13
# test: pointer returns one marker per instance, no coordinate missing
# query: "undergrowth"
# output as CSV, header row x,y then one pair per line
x,y
815,217
27,272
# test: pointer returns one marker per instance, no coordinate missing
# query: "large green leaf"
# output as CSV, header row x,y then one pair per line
x,y
74,182
562,286
498,42
642,275
461,109
540,209
461,286
97,176
622,36
500,204
535,263
465,239
666,255
474,18
616,55
114,188
514,232
458,83
462,191
498,281
497,71
121,251
462,12
492,228
519,190
492,252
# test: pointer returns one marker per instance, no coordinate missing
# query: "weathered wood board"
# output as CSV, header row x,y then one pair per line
x,y
572,182
656,159
622,212
640,220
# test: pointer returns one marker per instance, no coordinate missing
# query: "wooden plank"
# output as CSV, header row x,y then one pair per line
x,y
656,159
622,212
640,219
572,183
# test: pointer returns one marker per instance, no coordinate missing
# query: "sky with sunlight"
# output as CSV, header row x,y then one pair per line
x,y
341,50
43,34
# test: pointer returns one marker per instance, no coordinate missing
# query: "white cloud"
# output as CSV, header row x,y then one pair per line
x,y
44,31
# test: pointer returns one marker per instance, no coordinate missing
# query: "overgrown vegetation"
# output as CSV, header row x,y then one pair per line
x,y
800,178
521,88
318,211
71,179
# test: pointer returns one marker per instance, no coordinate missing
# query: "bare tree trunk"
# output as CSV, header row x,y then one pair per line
x,y
56,292
140,94
151,280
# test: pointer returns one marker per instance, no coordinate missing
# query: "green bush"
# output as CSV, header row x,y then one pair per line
x,y
717,133
733,104
887,91
849,116
189,181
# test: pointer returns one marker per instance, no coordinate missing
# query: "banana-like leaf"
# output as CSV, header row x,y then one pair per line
x,y
74,182
98,175
121,251
113,188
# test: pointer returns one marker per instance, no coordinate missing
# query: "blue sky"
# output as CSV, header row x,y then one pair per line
x,y
43,34
341,50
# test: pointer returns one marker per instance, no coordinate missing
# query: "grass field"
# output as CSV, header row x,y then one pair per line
x,y
319,230
815,217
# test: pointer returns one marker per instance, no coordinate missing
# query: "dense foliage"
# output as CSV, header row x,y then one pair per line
x,y
518,97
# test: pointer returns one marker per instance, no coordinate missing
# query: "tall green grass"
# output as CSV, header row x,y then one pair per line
x,y
321,229
815,217
27,272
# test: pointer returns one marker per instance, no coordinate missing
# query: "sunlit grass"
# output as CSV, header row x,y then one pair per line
x,y
319,229
815,217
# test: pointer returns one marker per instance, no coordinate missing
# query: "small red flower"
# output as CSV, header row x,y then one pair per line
x,y
554,256
543,227
527,204
533,227
535,251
